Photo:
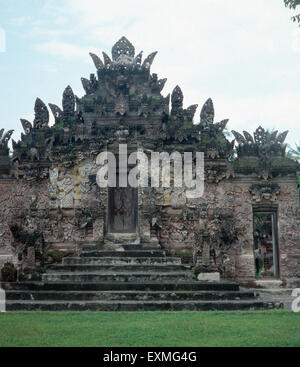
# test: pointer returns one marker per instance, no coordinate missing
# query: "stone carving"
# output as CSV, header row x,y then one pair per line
x,y
212,139
97,61
179,124
107,60
56,111
265,146
265,191
123,55
5,162
65,187
86,85
123,103
215,174
263,142
27,126
207,113
26,234
121,106
149,60
123,48
125,89
68,101
177,106
4,139
207,116
138,59
176,100
248,137
239,138
34,154
216,234
41,119
161,83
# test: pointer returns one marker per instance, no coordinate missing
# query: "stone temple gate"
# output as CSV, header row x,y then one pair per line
x,y
246,226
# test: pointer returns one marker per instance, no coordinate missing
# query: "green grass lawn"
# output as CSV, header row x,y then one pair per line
x,y
150,329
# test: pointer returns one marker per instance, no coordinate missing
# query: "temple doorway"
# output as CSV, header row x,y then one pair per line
x,y
266,250
122,208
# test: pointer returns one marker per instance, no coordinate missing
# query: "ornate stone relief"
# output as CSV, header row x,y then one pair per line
x,y
264,191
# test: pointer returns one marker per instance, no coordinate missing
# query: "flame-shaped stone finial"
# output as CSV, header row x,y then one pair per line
x,y
122,47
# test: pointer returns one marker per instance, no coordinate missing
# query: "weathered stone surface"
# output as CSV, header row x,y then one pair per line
x,y
8,273
49,184
209,277
154,285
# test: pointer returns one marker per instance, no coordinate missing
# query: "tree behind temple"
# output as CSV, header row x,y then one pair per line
x,y
292,4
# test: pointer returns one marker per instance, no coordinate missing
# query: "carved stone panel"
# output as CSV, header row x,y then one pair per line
x,y
264,191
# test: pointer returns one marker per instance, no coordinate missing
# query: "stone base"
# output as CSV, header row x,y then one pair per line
x,y
269,283
209,277
293,282
123,238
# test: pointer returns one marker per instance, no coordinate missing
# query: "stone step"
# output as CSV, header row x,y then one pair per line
x,y
123,253
123,286
293,282
122,238
115,276
125,277
134,305
126,295
119,253
115,268
130,247
121,260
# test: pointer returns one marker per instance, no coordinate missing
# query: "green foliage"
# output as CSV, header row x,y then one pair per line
x,y
186,256
182,130
294,153
58,126
292,4
9,273
56,256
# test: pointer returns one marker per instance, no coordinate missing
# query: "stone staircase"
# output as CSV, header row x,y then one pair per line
x,y
116,277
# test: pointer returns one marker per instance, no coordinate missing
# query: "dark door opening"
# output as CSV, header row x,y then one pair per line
x,y
122,207
122,210
266,249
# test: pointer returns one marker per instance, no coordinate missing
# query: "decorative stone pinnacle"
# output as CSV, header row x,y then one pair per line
x,y
122,47
207,113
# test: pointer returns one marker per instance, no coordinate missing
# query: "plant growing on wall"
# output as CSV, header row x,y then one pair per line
x,y
217,233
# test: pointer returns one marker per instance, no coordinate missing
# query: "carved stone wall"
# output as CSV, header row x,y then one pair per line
x,y
49,182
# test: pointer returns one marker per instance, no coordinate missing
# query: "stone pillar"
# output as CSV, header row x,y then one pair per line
x,y
2,300
31,257
145,233
98,230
